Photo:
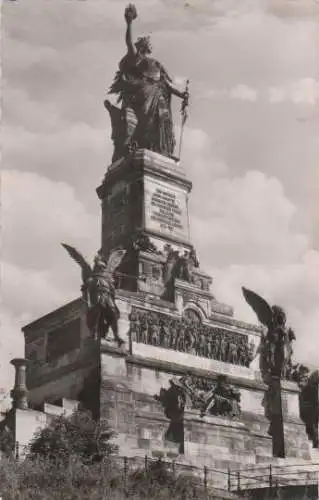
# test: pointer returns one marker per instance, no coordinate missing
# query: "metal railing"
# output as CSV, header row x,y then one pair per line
x,y
265,476
268,476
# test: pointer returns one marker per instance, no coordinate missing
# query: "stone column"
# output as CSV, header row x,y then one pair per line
x,y
19,392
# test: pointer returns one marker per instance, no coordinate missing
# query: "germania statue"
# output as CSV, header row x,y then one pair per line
x,y
99,291
144,90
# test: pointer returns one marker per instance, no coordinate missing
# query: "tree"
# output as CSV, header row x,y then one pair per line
x,y
6,440
78,435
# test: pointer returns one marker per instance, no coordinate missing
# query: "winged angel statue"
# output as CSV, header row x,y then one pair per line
x,y
276,345
99,291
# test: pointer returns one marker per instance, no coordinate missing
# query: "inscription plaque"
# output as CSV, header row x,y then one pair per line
x,y
166,210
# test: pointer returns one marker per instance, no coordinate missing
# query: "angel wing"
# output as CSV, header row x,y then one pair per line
x,y
115,259
79,259
260,306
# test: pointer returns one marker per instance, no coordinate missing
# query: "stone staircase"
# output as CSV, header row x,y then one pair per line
x,y
281,474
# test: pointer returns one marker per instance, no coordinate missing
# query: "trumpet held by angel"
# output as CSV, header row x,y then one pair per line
x,y
98,289
276,345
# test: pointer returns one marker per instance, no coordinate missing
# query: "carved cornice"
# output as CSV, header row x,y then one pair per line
x,y
245,327
145,301
184,286
288,386
162,167
144,162
174,368
54,318
174,239
192,417
152,256
107,348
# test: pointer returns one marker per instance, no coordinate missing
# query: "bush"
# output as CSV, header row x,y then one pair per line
x,y
44,479
78,435
73,459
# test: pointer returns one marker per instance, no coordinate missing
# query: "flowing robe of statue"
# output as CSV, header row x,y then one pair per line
x,y
142,83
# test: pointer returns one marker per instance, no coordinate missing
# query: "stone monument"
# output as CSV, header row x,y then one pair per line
x,y
177,379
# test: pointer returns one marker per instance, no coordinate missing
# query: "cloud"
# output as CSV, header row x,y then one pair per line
x,y
294,9
304,91
245,235
37,215
198,156
244,93
29,292
36,273
241,92
250,220
294,286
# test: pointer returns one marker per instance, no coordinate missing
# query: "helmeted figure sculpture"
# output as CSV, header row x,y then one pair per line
x,y
144,90
99,291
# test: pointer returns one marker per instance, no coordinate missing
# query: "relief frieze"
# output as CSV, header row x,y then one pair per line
x,y
188,334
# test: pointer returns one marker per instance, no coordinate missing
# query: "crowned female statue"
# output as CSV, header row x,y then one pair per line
x,y
144,90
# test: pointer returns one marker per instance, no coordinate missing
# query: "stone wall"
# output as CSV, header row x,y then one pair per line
x,y
63,357
127,402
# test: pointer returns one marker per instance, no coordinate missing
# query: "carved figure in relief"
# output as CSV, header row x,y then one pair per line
x,y
210,398
276,346
233,352
144,89
189,335
173,401
224,400
178,266
99,291
142,242
222,349
154,333
250,353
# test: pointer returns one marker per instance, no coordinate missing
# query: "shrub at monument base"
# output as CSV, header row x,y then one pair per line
x,y
73,458
48,479
78,435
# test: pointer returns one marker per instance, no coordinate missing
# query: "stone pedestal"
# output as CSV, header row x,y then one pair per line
x,y
296,441
145,192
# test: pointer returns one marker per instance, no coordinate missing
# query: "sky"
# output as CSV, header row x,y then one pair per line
x,y
250,148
